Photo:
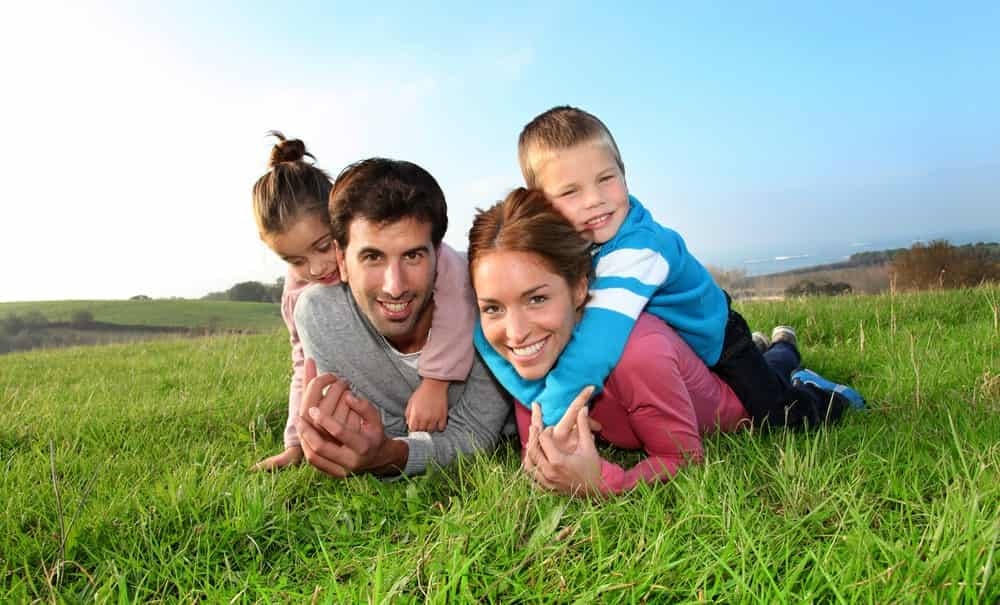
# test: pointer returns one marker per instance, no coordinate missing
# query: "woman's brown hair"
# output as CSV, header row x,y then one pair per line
x,y
291,188
527,222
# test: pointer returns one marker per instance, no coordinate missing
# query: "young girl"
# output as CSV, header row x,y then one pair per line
x,y
290,207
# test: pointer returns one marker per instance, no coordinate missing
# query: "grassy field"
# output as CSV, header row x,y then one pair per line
x,y
124,478
221,315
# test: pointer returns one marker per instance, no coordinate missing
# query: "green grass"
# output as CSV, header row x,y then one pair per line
x,y
174,313
124,478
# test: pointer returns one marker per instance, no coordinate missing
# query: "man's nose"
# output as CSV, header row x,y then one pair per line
x,y
394,280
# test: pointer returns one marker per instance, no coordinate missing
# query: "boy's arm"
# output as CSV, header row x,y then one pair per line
x,y
449,351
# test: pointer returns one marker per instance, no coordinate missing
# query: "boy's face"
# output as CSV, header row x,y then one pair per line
x,y
586,185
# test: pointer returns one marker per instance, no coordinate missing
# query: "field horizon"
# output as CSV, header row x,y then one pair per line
x,y
125,478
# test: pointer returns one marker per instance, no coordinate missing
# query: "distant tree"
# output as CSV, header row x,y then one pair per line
x,y
140,297
938,264
13,324
250,291
808,287
81,319
35,320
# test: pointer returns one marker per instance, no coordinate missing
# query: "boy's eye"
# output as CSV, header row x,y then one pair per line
x,y
607,177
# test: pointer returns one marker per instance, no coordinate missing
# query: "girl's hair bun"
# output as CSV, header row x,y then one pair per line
x,y
286,150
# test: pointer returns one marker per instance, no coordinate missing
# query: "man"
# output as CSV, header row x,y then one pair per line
x,y
388,218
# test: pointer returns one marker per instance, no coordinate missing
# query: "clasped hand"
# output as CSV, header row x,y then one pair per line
x,y
340,433
563,457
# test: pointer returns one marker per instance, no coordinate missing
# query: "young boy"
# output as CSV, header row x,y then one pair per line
x,y
639,265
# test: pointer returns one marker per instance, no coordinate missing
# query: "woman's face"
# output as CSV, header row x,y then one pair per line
x,y
527,311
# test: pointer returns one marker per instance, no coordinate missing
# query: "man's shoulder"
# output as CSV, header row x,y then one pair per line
x,y
322,303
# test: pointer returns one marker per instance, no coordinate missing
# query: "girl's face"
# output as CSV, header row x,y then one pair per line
x,y
308,247
527,311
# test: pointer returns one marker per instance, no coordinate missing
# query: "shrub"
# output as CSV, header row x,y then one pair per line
x,y
81,319
941,265
808,287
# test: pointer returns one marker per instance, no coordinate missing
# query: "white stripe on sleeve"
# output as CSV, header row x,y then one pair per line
x,y
645,265
620,300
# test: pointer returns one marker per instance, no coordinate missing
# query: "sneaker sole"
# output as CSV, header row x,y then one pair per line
x,y
809,377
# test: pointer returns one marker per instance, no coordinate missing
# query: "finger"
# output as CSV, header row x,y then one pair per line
x,y
568,421
595,426
368,413
583,425
328,405
323,454
341,409
310,370
554,454
353,421
314,392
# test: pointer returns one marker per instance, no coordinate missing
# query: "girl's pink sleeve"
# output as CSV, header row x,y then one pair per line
x,y
289,296
449,351
660,412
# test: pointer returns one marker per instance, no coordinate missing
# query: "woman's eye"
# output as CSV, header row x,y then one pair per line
x,y
489,309
537,299
323,247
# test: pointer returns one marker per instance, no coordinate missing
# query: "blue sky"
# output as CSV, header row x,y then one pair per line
x,y
754,129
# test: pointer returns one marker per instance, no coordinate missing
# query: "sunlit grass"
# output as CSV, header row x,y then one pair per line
x,y
124,478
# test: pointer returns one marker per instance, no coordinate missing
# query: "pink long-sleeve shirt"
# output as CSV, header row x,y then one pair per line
x,y
661,398
446,356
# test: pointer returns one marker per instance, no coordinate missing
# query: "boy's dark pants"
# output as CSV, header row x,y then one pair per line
x,y
765,389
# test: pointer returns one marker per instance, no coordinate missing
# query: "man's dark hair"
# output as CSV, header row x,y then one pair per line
x,y
385,191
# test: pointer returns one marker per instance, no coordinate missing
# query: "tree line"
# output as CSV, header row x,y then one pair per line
x,y
251,291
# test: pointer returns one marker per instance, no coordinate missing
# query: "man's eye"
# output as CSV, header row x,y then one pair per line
x,y
370,258
412,255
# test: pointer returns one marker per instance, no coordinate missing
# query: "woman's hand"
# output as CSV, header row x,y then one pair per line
x,y
563,457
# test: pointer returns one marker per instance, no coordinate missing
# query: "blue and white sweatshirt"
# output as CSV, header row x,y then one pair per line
x,y
645,266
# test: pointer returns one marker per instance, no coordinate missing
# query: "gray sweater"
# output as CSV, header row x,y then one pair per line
x,y
340,338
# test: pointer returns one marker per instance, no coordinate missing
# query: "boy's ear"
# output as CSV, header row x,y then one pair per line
x,y
580,293
341,261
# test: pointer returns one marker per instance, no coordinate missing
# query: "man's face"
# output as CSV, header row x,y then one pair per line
x,y
586,186
390,269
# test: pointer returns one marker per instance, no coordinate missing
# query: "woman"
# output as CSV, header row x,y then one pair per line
x,y
530,272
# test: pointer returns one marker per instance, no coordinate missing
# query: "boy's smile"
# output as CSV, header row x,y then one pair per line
x,y
586,185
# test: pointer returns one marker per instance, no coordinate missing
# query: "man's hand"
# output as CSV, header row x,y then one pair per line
x,y
290,457
563,458
352,448
427,409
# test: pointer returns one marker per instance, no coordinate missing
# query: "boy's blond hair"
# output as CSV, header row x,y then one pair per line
x,y
560,128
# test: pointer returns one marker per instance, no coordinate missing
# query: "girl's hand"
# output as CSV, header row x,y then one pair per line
x,y
427,409
290,457
564,458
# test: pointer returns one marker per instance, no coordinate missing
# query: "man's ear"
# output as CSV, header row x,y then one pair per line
x,y
341,261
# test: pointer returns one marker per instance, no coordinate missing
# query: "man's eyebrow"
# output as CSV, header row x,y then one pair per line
x,y
421,248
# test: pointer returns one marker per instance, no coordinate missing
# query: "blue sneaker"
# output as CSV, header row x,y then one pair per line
x,y
809,377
